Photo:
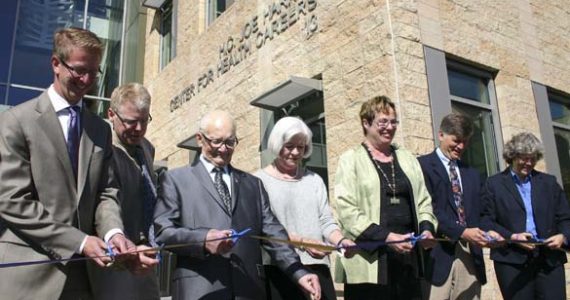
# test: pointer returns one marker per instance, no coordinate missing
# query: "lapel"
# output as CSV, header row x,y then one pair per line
x,y
466,187
440,171
85,148
507,181
206,181
49,124
235,179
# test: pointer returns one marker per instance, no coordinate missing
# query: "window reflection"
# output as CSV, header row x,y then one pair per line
x,y
562,138
7,19
17,95
481,153
559,110
468,86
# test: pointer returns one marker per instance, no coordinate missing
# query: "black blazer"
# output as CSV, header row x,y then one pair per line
x,y
504,212
437,181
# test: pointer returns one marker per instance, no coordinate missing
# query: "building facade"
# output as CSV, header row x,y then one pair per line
x,y
504,63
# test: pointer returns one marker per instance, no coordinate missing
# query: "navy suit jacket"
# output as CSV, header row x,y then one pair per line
x,y
437,181
505,213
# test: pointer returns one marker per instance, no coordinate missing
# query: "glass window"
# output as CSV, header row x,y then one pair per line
x,y
19,95
7,23
34,39
481,153
217,8
560,114
468,86
470,95
167,38
311,110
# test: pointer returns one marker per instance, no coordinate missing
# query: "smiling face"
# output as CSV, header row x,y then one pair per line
x,y
67,83
129,123
451,146
523,165
292,153
218,138
380,132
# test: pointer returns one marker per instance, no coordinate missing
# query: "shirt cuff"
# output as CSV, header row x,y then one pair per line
x,y
111,233
80,251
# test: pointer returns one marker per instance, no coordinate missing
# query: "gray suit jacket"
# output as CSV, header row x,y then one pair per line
x,y
45,214
111,284
189,205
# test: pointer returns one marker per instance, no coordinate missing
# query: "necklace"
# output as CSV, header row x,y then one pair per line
x,y
392,184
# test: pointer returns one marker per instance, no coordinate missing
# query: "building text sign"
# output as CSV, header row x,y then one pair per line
x,y
257,31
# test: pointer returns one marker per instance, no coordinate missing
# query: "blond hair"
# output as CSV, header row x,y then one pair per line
x,y
67,39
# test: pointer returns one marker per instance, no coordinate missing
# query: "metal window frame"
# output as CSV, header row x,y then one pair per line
x,y
173,32
437,64
542,101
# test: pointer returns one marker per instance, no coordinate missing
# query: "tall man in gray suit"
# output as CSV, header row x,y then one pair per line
x,y
57,193
201,203
133,158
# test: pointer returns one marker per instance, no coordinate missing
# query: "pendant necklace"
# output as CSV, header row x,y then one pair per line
x,y
392,184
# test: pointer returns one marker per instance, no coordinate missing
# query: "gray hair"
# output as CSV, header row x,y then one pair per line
x,y
284,130
524,143
132,92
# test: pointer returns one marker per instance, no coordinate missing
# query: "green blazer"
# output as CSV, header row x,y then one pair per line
x,y
357,203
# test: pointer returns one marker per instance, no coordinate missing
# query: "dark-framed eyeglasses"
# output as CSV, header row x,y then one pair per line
x,y
383,123
133,123
79,72
217,143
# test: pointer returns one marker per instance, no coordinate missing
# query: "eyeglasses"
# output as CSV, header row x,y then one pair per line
x,y
79,72
383,123
217,143
133,123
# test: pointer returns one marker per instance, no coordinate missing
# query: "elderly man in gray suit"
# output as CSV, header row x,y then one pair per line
x,y
58,197
133,158
201,204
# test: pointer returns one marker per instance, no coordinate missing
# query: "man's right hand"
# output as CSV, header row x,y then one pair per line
x,y
218,241
96,249
475,236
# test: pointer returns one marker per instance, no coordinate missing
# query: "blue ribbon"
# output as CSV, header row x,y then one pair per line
x,y
237,235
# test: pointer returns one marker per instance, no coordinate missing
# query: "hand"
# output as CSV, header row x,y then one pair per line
x,y
402,247
125,249
95,248
475,236
555,241
314,253
428,241
497,240
145,262
310,285
218,241
349,248
523,236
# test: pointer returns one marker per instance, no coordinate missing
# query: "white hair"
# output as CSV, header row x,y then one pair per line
x,y
284,131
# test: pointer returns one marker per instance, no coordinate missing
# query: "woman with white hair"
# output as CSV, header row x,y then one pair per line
x,y
298,198
530,208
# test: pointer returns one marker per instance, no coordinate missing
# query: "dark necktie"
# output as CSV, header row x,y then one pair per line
x,y
457,193
222,189
73,137
149,195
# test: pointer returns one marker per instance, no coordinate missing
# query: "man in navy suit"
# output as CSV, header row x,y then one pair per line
x,y
455,270
527,205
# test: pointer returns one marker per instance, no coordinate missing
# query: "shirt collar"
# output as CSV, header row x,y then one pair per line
x,y
209,166
443,158
58,102
516,178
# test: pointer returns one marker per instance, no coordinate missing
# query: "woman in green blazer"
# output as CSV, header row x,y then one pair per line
x,y
380,195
